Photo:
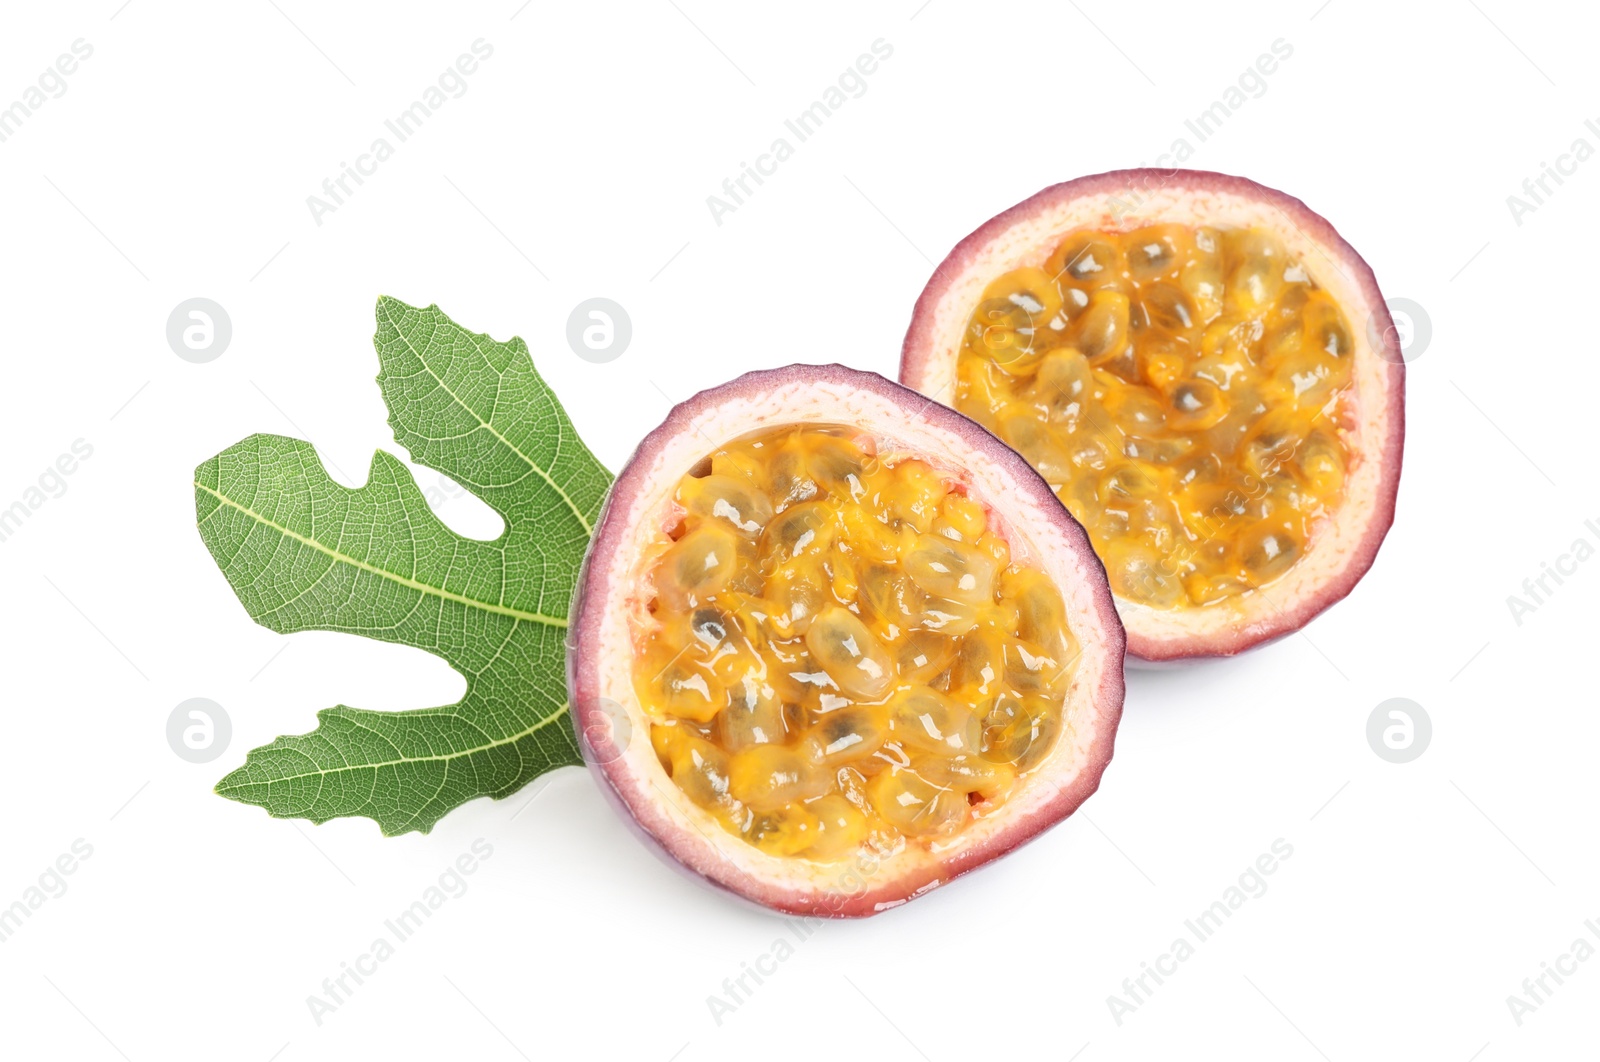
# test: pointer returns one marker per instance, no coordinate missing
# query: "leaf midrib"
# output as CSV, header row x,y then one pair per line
x,y
384,573
491,429
345,768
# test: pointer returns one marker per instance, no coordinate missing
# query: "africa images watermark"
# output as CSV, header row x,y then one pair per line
x,y
52,483
1251,84
1251,885
1537,189
50,85
737,990
1537,589
853,81
451,84
451,884
1537,990
444,491
51,885
850,883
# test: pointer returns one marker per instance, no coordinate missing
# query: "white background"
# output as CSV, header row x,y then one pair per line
x,y
178,163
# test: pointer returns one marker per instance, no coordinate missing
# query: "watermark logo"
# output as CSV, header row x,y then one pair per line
x,y
599,330
607,732
1412,331
1399,730
199,730
199,330
1007,327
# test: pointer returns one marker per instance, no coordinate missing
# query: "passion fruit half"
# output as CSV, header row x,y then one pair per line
x,y
1206,375
834,644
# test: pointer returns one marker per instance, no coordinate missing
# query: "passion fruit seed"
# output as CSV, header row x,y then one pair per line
x,y
1183,400
841,651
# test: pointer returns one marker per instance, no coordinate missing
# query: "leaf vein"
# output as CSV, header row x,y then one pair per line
x,y
382,573
565,497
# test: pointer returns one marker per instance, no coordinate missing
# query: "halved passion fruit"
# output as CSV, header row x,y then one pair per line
x,y
1205,374
834,644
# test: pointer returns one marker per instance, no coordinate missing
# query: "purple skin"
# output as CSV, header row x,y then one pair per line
x,y
917,354
687,848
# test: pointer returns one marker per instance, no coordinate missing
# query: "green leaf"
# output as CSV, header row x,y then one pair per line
x,y
304,553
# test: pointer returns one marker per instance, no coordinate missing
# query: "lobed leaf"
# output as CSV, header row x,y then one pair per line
x,y
304,553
